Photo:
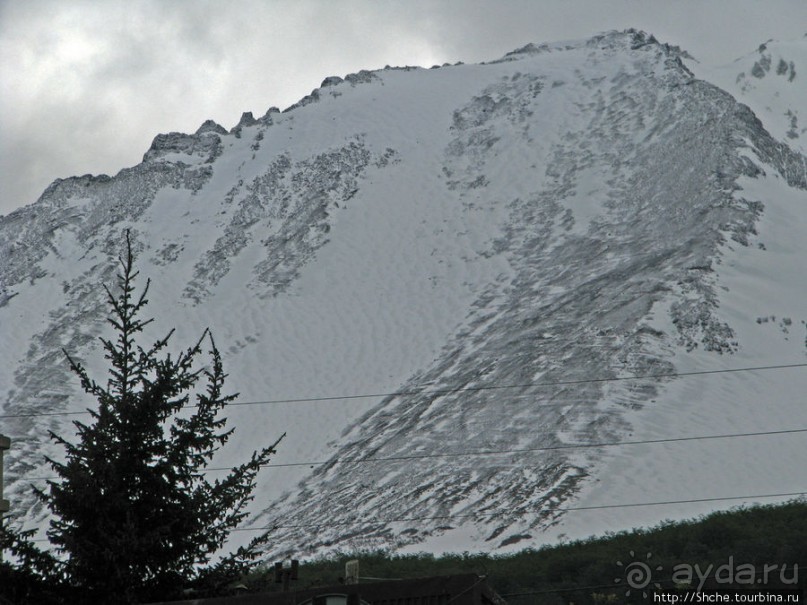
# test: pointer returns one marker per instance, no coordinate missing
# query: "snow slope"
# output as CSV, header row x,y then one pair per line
x,y
411,270
773,83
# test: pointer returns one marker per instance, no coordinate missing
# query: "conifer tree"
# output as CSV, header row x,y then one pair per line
x,y
134,515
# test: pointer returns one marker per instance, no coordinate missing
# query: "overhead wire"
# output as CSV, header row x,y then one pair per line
x,y
508,514
504,514
463,389
503,452
441,392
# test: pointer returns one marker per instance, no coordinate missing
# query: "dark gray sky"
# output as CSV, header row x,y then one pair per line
x,y
86,84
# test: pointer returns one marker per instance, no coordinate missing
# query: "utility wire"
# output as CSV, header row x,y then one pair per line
x,y
467,590
503,514
475,453
565,403
568,446
465,389
508,514
556,590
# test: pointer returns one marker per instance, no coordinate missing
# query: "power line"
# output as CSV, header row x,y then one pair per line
x,y
507,514
470,453
475,453
556,590
467,590
567,446
465,389
564,403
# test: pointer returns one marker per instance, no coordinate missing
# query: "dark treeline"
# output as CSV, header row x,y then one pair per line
x,y
731,545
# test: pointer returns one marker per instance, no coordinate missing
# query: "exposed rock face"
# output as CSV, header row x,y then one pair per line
x,y
211,126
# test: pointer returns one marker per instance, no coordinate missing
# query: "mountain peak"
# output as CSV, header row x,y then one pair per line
x,y
447,286
211,126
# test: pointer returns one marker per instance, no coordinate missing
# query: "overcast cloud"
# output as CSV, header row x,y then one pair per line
x,y
86,85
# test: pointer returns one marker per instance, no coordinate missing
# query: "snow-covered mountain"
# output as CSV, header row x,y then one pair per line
x,y
771,82
440,282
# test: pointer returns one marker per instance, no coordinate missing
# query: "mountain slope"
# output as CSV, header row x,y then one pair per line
x,y
773,83
500,247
